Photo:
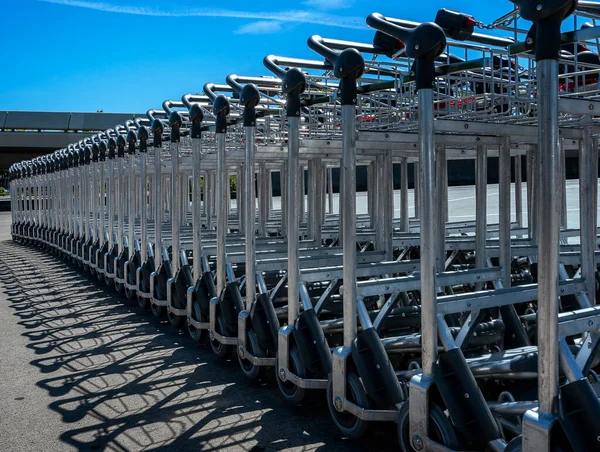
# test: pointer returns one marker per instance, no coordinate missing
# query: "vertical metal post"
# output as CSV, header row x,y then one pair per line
x,y
196,207
563,178
404,215
480,208
349,222
222,211
250,213
330,189
143,207
417,189
318,202
131,213
158,208
284,197
302,194
504,210
550,198
294,216
388,204
519,190
428,242
175,207
442,205
588,181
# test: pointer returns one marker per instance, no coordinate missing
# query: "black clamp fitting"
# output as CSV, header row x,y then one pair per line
x,y
424,44
95,152
143,135
348,66
547,17
221,109
121,143
249,99
157,131
131,140
111,146
175,121
87,151
102,148
81,155
196,117
293,85
75,159
70,158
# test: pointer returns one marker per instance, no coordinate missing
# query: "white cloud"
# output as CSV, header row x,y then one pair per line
x,y
262,27
297,16
329,4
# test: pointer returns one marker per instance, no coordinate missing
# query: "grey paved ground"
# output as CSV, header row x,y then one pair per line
x,y
83,370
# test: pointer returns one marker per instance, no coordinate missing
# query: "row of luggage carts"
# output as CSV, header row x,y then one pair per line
x,y
469,335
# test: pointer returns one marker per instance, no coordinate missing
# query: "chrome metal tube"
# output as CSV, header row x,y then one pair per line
x,y
349,222
588,181
143,209
480,208
131,194
222,211
158,209
442,205
176,202
330,189
249,218
504,210
550,198
110,191
294,217
519,190
196,207
428,239
404,216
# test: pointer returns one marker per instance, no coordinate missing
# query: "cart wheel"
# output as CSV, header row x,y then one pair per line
x,y
221,350
100,276
144,303
197,334
119,287
252,371
349,425
158,311
108,281
440,429
130,294
176,321
292,393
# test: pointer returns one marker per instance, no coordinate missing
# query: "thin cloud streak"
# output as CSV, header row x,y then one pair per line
x,y
297,16
262,27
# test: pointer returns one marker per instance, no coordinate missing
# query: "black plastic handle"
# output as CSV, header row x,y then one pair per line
x,y
424,43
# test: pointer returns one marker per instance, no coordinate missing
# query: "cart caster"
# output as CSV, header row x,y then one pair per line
x,y
176,321
292,394
158,311
130,294
252,371
440,429
349,425
198,335
144,304
221,350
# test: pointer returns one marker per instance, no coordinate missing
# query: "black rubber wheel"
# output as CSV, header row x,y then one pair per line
x,y
130,294
349,425
176,321
441,429
252,371
144,303
221,350
292,393
119,287
158,311
198,335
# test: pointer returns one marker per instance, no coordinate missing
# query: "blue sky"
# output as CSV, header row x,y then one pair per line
x,y
130,55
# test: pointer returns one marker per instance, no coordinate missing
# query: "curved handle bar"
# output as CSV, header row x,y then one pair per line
x,y
279,65
169,105
156,114
189,99
140,121
211,89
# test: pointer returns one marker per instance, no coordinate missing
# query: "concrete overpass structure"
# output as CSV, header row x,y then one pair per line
x,y
28,134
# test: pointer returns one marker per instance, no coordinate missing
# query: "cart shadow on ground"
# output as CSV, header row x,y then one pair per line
x,y
122,380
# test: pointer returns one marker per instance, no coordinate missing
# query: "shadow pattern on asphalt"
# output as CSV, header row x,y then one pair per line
x,y
122,381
